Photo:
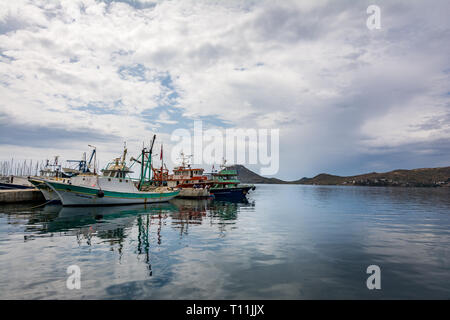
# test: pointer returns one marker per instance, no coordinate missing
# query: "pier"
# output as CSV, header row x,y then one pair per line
x,y
15,189
20,195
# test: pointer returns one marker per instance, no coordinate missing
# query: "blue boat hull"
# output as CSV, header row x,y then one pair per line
x,y
230,193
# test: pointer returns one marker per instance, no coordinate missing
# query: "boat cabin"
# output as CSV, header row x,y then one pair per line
x,y
225,178
116,170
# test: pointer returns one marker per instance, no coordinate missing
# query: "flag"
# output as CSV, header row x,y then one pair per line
x,y
161,152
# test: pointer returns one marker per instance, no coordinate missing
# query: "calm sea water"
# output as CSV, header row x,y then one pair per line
x,y
287,242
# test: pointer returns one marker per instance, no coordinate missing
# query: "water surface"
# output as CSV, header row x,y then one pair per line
x,y
286,242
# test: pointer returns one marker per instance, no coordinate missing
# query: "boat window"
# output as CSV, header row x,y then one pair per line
x,y
120,180
126,181
109,179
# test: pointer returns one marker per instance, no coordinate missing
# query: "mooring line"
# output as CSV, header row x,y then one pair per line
x,y
40,205
21,209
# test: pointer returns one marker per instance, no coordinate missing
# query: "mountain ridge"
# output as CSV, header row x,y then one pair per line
x,y
420,177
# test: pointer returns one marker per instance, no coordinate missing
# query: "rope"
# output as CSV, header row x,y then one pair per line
x,y
40,205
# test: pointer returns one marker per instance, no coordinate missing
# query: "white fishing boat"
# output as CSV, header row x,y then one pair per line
x,y
51,171
54,171
113,187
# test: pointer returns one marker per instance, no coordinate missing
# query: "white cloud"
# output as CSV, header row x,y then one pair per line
x,y
310,68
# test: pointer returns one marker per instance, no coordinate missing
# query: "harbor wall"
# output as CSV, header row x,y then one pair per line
x,y
20,195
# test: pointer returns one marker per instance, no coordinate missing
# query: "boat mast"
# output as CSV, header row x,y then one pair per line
x,y
146,164
94,154
142,165
162,161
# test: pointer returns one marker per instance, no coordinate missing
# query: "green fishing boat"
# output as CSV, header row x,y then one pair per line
x,y
226,184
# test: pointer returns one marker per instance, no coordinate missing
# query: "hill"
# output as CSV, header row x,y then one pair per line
x,y
424,177
247,176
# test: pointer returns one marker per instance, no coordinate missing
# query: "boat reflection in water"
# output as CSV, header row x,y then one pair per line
x,y
142,226
220,213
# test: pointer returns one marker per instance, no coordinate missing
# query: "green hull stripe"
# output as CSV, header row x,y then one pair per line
x,y
112,194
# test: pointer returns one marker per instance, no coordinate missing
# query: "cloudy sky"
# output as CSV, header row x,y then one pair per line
x,y
346,99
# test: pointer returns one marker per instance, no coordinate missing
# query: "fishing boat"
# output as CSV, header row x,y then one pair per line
x,y
14,182
191,181
54,171
113,187
51,171
226,186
